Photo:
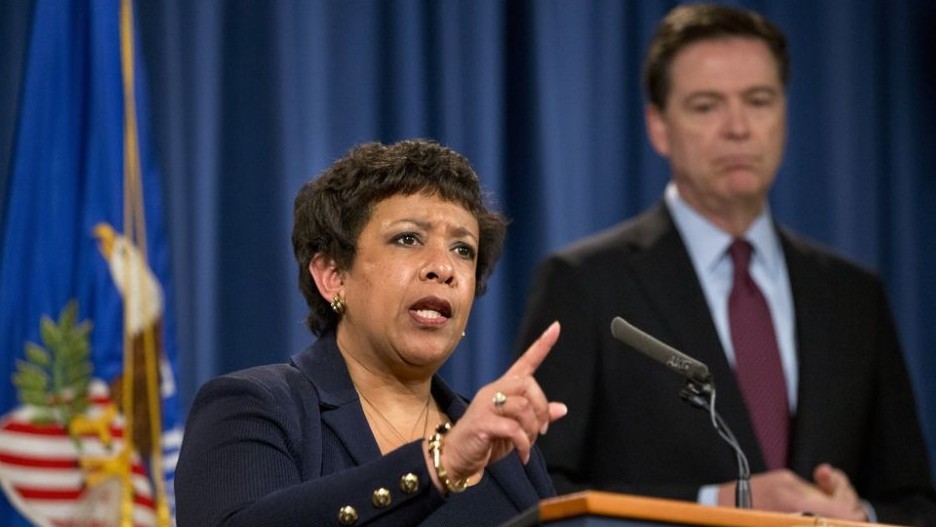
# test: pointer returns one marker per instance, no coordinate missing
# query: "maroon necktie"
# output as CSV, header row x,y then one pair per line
x,y
757,357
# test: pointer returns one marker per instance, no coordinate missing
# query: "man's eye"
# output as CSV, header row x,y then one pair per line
x,y
702,107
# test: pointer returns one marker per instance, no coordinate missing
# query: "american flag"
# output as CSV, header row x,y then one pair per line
x,y
57,481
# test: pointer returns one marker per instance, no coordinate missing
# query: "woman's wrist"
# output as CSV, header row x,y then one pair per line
x,y
436,447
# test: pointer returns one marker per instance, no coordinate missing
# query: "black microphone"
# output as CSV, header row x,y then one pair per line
x,y
699,384
681,363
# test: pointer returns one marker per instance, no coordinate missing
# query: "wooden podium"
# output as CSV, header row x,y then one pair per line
x,y
604,509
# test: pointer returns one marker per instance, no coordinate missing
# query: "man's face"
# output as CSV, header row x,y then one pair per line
x,y
724,126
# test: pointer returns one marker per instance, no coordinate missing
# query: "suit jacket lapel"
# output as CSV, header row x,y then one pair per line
x,y
668,279
812,304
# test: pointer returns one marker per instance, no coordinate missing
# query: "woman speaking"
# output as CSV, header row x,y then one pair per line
x,y
393,245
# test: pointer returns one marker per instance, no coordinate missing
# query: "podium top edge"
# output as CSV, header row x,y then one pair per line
x,y
608,504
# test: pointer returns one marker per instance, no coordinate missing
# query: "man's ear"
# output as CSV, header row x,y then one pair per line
x,y
328,278
657,129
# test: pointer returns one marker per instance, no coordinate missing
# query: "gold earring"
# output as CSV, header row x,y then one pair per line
x,y
338,305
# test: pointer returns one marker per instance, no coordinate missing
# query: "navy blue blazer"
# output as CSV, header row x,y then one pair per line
x,y
289,445
629,431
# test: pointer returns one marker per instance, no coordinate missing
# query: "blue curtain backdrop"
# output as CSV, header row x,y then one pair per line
x,y
251,98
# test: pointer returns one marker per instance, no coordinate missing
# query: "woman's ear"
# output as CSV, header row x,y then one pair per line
x,y
328,278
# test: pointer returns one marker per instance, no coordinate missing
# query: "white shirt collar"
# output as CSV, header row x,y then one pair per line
x,y
707,243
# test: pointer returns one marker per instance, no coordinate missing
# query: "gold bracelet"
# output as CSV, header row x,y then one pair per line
x,y
436,442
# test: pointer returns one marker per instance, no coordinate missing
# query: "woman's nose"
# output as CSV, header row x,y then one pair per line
x,y
440,269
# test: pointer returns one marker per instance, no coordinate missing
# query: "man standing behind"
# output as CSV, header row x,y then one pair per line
x,y
801,343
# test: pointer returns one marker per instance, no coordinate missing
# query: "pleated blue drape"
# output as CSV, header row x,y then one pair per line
x,y
250,99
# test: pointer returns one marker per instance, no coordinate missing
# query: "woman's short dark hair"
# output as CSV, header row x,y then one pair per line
x,y
691,23
331,211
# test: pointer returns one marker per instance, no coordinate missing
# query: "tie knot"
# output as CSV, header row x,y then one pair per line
x,y
740,252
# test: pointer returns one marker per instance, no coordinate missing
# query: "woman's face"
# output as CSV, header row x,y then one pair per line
x,y
412,284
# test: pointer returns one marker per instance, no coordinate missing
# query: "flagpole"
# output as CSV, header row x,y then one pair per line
x,y
134,214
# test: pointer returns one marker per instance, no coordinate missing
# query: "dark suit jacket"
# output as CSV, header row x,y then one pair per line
x,y
288,445
628,430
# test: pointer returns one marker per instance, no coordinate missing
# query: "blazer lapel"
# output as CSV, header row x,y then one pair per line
x,y
342,413
340,404
509,474
347,421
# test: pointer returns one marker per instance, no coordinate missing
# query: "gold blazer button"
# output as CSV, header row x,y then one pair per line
x,y
381,498
347,515
409,483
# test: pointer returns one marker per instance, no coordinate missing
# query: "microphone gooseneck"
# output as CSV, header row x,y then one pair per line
x,y
699,392
692,395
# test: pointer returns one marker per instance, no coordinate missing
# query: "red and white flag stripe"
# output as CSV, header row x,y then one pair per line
x,y
41,473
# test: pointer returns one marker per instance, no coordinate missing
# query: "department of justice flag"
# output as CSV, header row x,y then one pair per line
x,y
89,415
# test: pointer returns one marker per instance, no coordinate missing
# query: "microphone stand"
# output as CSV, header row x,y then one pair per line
x,y
695,394
699,392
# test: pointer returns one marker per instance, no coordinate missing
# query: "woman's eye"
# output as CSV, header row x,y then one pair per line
x,y
465,251
407,238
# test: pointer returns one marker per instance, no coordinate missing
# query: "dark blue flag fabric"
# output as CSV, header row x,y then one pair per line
x,y
89,413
